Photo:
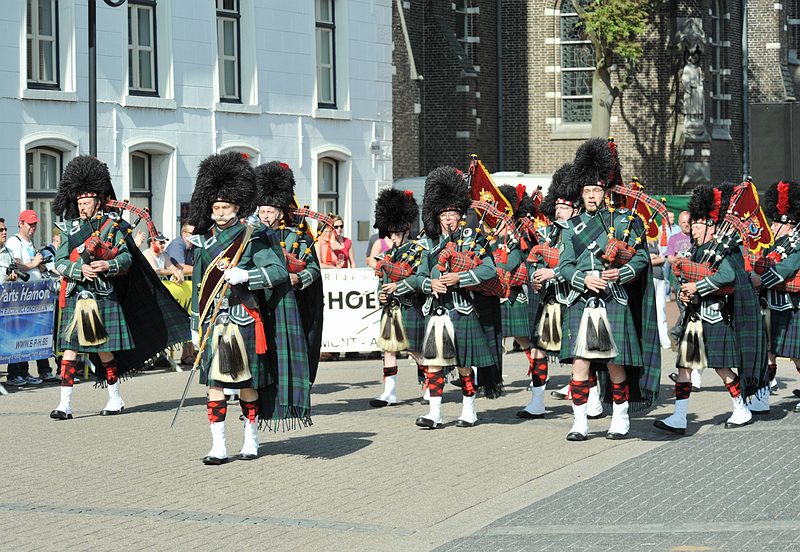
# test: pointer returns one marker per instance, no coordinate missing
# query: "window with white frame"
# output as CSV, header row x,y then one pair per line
x,y
141,188
42,173
326,52
328,192
229,50
719,72
577,67
142,58
41,24
466,27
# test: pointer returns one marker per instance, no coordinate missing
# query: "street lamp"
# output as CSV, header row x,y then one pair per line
x,y
93,71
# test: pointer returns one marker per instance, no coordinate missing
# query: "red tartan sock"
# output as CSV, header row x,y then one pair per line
x,y
580,392
530,360
68,370
682,390
619,392
468,384
111,371
249,409
592,378
389,371
539,372
217,411
773,369
436,383
733,388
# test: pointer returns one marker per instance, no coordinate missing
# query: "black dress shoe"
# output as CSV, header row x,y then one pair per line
x,y
616,436
796,393
111,412
427,423
464,423
729,425
596,416
575,436
673,376
245,456
525,415
59,415
559,395
760,412
378,403
797,407
677,430
214,461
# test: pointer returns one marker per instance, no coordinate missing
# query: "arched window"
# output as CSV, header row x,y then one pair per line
x,y
719,73
42,173
328,195
577,67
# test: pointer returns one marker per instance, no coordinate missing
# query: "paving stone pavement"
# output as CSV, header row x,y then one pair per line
x,y
365,479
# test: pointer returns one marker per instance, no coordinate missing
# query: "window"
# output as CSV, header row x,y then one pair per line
x,y
328,194
793,23
42,173
466,29
142,64
42,43
577,67
141,180
228,51
719,98
326,53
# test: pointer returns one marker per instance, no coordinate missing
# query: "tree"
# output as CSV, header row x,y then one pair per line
x,y
616,29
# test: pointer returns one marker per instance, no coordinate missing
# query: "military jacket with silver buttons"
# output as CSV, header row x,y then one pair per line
x,y
779,299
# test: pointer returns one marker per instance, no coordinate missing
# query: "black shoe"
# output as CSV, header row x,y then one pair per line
x,y
673,376
111,412
616,436
378,403
797,407
525,415
729,425
48,377
575,436
559,395
422,421
457,383
676,430
464,423
214,461
760,412
59,415
246,456
796,393
596,416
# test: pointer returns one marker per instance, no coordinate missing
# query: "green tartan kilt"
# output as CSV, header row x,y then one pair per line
x,y
515,317
534,306
414,325
119,338
785,333
473,348
621,325
720,344
257,363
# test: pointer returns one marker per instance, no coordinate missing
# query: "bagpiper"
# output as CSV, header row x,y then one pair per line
x,y
402,326
723,327
456,260
112,305
609,269
236,267
776,273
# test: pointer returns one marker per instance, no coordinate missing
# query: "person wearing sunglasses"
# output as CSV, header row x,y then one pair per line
x,y
333,249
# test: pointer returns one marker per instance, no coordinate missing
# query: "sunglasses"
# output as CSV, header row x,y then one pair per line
x,y
339,226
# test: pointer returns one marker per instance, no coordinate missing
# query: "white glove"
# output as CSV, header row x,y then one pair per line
x,y
236,275
196,339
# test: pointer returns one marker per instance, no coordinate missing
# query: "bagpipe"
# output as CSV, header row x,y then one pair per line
x,y
763,263
395,269
87,320
296,260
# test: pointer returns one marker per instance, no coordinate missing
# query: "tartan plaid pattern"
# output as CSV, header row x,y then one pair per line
x,y
256,363
392,270
119,338
691,271
519,276
769,260
414,325
294,264
515,319
470,340
544,253
463,261
618,253
720,345
785,333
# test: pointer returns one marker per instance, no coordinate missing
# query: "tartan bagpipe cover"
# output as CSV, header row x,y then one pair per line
x,y
691,271
618,253
544,253
451,260
517,277
393,271
293,264
763,263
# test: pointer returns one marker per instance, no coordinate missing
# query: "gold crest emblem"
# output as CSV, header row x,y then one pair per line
x,y
223,263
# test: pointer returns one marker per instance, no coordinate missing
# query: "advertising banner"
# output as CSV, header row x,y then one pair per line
x,y
26,320
352,312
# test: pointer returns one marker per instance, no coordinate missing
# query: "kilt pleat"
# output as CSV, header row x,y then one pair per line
x,y
119,338
414,325
515,319
256,363
720,345
472,346
621,325
785,333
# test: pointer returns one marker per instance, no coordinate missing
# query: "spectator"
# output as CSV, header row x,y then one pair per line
x,y
679,245
139,238
370,242
7,273
180,251
333,249
379,246
661,290
49,252
29,261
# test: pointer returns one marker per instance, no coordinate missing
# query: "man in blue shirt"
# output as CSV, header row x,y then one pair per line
x,y
180,251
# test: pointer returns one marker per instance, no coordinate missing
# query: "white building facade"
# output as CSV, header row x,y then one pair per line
x,y
307,83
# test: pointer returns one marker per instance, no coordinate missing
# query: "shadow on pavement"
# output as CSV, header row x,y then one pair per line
x,y
327,446
162,406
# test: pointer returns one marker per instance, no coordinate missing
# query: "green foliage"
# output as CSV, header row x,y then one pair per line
x,y
616,26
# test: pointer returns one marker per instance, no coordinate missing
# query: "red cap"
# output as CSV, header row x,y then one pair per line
x,y
28,216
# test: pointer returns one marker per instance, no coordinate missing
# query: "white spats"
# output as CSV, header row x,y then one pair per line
x,y
468,416
115,405
676,422
580,425
741,414
250,445
389,390
536,406
759,403
620,421
219,451
594,407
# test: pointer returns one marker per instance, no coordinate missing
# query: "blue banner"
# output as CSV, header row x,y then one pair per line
x,y
26,320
